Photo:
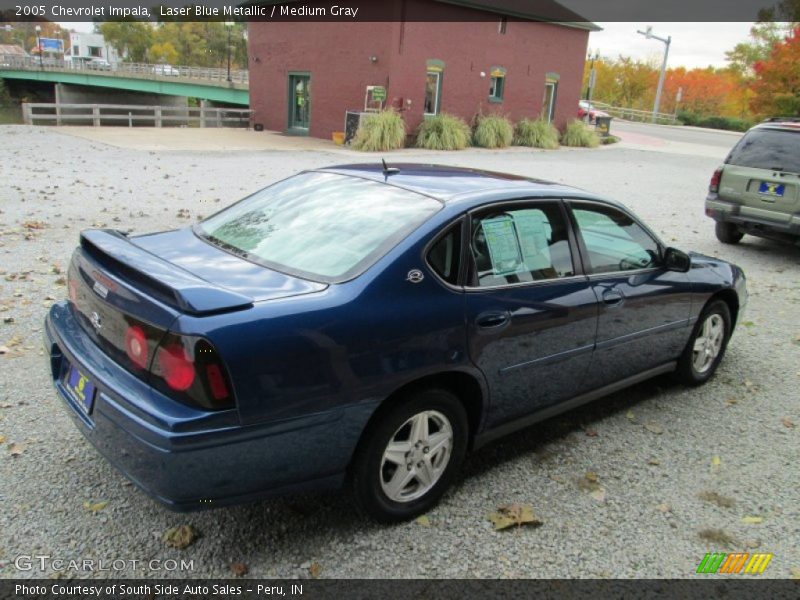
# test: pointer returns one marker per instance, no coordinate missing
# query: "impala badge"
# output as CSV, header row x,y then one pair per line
x,y
415,276
95,321
100,289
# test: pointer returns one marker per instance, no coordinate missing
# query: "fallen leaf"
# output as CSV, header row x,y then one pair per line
x,y
716,461
654,427
315,569
591,433
599,495
716,498
180,537
513,514
719,537
16,448
4,349
788,423
752,520
424,521
630,416
731,401
795,572
239,569
591,476
747,324
664,507
95,507
654,462
2,439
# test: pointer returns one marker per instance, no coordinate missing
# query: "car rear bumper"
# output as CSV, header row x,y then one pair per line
x,y
190,459
731,212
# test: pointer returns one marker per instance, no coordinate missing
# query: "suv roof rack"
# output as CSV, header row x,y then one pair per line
x,y
782,119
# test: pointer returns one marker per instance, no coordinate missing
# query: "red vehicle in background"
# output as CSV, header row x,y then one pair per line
x,y
585,108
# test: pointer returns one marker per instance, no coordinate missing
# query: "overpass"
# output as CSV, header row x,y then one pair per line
x,y
193,82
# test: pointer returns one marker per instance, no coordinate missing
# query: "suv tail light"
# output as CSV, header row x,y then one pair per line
x,y
713,186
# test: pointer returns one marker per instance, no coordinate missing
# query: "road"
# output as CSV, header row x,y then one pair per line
x,y
677,139
640,484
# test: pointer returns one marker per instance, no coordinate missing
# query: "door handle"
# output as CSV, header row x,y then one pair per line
x,y
492,319
613,297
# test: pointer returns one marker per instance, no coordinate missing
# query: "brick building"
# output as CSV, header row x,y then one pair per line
x,y
461,60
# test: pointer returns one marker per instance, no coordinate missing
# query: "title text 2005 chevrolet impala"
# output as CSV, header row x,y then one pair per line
x,y
368,325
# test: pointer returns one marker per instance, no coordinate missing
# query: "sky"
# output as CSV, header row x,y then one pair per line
x,y
693,44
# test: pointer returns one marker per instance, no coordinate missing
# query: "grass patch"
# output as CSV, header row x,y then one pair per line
x,y
579,135
493,131
536,133
381,131
443,132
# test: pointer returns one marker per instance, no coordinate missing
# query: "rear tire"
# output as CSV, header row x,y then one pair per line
x,y
410,455
706,346
728,233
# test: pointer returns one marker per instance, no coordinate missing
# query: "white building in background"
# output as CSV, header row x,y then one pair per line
x,y
86,46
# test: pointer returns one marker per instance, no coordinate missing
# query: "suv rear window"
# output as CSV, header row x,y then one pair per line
x,y
768,149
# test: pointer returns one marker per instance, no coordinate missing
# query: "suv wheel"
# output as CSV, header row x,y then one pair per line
x,y
707,345
728,233
409,457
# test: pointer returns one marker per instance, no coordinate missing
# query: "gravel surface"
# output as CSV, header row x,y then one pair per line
x,y
639,484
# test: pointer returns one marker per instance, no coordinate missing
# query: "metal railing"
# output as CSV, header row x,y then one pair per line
x,y
125,69
632,114
134,114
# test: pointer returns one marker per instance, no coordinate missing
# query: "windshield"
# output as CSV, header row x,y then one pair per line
x,y
320,226
768,149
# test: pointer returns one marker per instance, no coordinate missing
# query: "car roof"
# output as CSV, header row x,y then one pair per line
x,y
449,184
784,123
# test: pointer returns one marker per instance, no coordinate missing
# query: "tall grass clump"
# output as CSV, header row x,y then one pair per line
x,y
381,131
578,134
443,132
493,131
536,133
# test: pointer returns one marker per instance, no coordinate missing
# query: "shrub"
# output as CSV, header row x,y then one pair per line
x,y
443,132
384,130
713,121
578,134
536,134
492,131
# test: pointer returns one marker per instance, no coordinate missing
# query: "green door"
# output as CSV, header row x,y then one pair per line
x,y
299,102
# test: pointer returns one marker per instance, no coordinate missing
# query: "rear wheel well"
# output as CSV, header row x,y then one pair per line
x,y
732,300
465,387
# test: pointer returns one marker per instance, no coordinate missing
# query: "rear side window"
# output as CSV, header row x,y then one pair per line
x,y
768,149
444,256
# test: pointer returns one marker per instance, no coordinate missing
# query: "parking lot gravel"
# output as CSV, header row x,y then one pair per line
x,y
639,484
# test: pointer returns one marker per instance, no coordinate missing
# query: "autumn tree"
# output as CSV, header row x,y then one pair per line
x,y
777,79
131,39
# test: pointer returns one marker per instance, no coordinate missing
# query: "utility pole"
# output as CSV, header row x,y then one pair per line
x,y
590,87
229,25
648,33
39,45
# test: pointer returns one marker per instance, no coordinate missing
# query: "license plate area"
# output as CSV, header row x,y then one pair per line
x,y
79,388
769,189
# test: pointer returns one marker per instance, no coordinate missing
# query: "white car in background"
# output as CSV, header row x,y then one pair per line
x,y
166,70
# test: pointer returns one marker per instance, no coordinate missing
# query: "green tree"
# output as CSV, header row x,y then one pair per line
x,y
131,39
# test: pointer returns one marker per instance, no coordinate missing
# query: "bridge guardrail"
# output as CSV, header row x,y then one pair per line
x,y
148,70
130,114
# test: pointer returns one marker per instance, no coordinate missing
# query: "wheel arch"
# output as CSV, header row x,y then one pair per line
x,y
731,298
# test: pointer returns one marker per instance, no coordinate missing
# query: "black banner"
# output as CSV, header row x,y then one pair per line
x,y
566,11
702,587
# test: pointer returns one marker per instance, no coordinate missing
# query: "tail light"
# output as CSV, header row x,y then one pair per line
x,y
713,186
185,368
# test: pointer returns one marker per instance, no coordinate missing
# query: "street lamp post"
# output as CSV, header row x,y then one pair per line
x,y
229,25
590,87
648,33
39,45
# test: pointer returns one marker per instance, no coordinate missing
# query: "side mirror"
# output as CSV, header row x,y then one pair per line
x,y
676,260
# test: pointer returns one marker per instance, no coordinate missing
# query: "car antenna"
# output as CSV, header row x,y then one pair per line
x,y
387,170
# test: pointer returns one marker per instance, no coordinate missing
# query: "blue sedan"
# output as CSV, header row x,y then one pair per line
x,y
369,325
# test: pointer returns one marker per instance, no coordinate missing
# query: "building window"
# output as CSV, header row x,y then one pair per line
x,y
433,87
497,84
550,94
501,26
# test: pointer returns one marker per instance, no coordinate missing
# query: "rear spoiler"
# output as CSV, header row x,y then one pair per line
x,y
163,280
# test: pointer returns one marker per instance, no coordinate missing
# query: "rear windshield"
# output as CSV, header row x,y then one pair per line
x,y
319,226
768,149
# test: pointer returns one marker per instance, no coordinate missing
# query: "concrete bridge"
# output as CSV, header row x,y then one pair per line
x,y
194,82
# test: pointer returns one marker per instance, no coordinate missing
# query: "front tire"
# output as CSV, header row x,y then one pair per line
x,y
410,455
706,346
728,233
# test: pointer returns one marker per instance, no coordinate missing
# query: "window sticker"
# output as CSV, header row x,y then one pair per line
x,y
532,234
501,239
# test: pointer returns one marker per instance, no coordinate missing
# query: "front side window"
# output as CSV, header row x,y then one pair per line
x,y
320,226
432,87
520,245
613,240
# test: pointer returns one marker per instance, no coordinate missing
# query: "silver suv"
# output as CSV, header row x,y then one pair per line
x,y
757,190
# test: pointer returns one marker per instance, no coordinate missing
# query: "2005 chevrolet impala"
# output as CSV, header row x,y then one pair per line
x,y
367,325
